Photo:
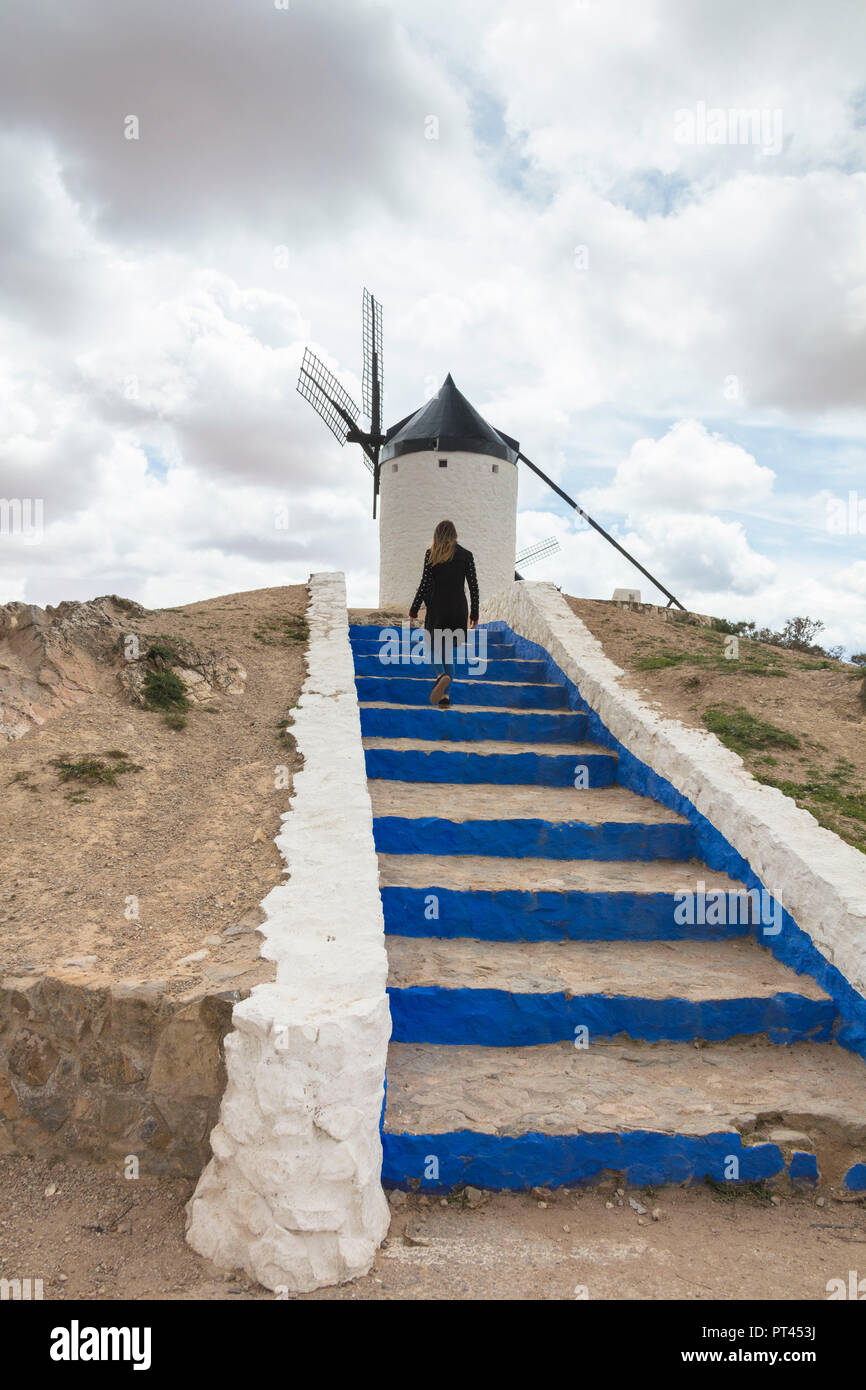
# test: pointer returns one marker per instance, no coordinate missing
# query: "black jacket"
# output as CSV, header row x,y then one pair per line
x,y
443,590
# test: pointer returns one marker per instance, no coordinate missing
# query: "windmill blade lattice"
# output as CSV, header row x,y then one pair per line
x,y
333,403
539,551
328,398
372,376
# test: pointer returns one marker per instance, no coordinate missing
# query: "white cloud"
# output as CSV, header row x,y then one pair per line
x,y
687,470
700,554
151,264
616,73
853,578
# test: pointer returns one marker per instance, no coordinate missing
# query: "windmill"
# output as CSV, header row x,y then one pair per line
x,y
333,403
419,496
534,553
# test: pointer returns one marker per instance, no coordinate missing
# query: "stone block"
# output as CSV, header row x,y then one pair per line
x,y
33,1058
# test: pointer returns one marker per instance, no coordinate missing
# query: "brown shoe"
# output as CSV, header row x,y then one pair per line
x,y
445,703
440,689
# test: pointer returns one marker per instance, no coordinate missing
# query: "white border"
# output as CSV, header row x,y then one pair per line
x,y
293,1193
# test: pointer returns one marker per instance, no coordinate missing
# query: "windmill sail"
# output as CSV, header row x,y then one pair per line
x,y
322,389
372,377
333,403
539,551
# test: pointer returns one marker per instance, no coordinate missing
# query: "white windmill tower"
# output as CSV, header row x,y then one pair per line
x,y
444,461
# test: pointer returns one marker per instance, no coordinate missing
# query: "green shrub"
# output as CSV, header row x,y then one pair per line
x,y
661,661
164,690
91,770
741,731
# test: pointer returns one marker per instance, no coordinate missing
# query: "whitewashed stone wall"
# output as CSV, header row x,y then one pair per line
x,y
818,878
293,1193
481,503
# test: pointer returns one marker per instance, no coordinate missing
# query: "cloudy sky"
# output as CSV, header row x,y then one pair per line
x,y
558,203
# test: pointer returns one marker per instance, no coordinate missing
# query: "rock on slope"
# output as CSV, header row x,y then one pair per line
x,y
53,658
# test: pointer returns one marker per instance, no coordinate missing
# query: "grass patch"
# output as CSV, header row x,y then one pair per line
x,y
757,668
175,720
831,798
752,660
92,771
22,779
743,732
282,632
661,660
164,691
284,734
754,1192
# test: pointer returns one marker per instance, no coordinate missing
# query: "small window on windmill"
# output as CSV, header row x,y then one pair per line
x,y
443,463
496,468
393,468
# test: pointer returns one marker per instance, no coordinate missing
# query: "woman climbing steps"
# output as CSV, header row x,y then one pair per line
x,y
448,570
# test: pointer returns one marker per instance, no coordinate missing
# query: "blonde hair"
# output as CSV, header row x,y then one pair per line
x,y
444,542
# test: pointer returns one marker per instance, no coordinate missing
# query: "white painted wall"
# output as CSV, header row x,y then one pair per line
x,y
817,877
482,504
293,1193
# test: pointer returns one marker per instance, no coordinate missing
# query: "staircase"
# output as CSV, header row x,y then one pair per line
x,y
553,1020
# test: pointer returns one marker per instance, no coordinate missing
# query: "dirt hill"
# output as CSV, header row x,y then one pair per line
x,y
138,814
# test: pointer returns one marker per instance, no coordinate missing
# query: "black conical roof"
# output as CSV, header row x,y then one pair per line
x,y
448,421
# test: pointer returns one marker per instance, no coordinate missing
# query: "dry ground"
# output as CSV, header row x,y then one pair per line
x,y
98,1236
190,835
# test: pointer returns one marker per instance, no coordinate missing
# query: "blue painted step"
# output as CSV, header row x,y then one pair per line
x,y
423,721
556,1115
534,769
512,915
494,651
372,632
515,1162
403,690
518,838
495,1018
502,1057
531,672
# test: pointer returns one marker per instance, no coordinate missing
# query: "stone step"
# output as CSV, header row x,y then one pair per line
x,y
495,899
494,651
368,640
514,1117
520,822
509,671
489,760
404,690
526,993
387,719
